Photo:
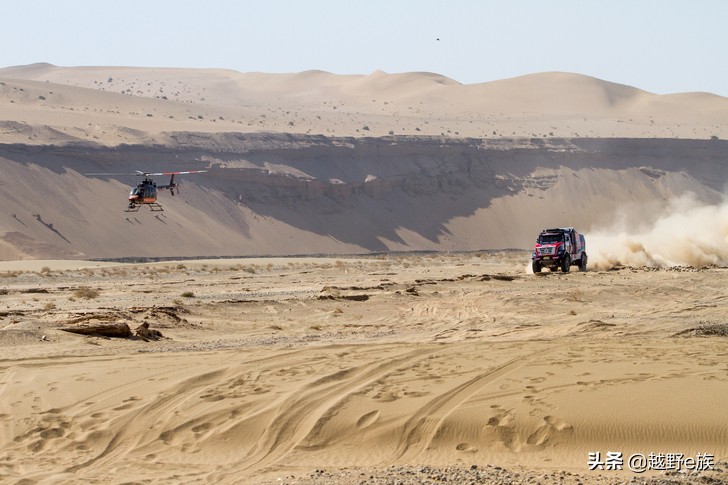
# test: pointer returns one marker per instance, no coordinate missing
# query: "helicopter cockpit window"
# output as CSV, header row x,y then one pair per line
x,y
135,191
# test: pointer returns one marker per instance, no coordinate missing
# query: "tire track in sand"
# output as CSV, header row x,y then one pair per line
x,y
421,428
298,415
125,440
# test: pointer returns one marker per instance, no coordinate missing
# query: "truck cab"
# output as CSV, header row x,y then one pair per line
x,y
559,248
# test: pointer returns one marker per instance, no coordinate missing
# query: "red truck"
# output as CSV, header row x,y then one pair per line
x,y
560,248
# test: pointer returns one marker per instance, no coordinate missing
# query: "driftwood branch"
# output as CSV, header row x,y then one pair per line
x,y
106,329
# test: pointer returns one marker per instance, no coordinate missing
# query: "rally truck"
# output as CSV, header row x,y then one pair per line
x,y
559,248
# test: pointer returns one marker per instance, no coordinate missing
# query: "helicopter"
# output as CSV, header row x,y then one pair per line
x,y
145,193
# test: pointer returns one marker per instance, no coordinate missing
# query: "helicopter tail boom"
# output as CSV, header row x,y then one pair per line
x,y
171,186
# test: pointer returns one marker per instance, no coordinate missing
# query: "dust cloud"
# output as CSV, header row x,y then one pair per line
x,y
683,232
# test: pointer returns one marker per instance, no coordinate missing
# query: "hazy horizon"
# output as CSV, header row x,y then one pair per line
x,y
659,46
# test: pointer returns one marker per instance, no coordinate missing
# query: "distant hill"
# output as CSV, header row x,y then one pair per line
x,y
315,162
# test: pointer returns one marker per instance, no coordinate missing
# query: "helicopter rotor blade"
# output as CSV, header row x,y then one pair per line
x,y
146,174
173,173
110,173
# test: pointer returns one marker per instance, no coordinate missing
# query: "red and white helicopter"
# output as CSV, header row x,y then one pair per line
x,y
145,193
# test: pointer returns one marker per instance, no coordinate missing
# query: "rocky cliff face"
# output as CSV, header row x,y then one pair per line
x,y
293,194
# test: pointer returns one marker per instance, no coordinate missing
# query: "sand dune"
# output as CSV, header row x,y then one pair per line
x,y
315,162
316,102
275,368
283,195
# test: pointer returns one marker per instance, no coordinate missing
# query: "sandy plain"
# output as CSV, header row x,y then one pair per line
x,y
408,368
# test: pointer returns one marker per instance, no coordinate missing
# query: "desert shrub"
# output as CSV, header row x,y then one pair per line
x,y
86,292
187,294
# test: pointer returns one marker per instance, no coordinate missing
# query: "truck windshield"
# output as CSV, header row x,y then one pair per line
x,y
550,238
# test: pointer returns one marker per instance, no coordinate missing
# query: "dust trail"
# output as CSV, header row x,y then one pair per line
x,y
684,232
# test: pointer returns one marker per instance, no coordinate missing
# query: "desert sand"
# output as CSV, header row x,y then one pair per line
x,y
412,367
406,343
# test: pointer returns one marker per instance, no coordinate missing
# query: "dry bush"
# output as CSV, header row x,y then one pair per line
x,y
10,274
86,292
117,271
187,294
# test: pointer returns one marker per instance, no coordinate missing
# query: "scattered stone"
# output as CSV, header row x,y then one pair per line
x,y
501,277
145,333
705,330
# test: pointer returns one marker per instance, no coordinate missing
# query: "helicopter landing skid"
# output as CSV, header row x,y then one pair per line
x,y
152,207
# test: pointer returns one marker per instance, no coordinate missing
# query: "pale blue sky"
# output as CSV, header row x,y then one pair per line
x,y
662,46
